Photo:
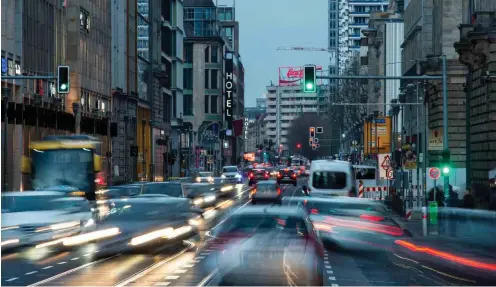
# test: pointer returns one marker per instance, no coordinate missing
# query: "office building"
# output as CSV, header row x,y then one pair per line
x,y
286,103
256,133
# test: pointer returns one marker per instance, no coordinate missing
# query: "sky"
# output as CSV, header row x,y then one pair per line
x,y
266,25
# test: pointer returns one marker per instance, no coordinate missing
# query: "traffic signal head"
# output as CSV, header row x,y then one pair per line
x,y
309,79
298,145
312,132
446,170
63,80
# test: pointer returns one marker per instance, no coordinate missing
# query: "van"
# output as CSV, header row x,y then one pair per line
x,y
331,178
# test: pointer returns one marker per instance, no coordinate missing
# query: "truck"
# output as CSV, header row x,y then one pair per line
x,y
65,163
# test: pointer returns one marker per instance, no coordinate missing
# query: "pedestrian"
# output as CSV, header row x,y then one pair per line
x,y
468,199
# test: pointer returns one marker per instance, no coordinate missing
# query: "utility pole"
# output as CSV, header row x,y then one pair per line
x,y
5,99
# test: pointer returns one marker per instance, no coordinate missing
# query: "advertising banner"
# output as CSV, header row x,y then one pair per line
x,y
293,76
377,136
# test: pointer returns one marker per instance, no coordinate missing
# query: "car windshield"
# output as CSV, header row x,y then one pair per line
x,y
70,167
262,223
170,189
329,180
230,169
266,186
205,174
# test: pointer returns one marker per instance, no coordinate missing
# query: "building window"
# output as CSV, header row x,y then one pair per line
x,y
206,104
188,105
214,51
174,104
213,79
84,19
189,13
207,79
188,53
188,78
207,54
213,104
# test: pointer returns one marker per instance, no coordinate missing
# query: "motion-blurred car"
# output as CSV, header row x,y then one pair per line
x,y
350,223
257,175
205,176
140,223
287,175
42,218
266,191
231,174
260,245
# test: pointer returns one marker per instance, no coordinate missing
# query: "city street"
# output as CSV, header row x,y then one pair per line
x,y
187,265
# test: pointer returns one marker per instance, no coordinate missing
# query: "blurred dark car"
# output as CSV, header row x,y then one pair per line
x,y
350,223
287,175
140,224
266,191
258,174
260,245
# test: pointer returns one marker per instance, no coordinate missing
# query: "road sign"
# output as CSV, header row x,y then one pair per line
x,y
386,162
390,174
434,173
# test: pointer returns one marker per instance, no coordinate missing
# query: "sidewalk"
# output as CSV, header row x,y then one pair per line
x,y
412,226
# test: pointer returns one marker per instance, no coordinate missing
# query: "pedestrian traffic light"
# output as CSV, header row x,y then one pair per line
x,y
446,162
309,79
63,80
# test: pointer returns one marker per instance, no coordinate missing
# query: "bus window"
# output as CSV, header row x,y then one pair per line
x,y
364,173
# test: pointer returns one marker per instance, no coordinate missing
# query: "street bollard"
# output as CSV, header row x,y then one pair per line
x,y
424,220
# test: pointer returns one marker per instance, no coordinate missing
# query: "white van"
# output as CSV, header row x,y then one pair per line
x,y
331,178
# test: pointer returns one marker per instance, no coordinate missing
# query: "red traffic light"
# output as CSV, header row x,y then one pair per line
x,y
298,145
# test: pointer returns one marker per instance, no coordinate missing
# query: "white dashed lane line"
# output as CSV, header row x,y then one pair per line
x,y
171,277
188,265
328,267
334,285
200,258
181,271
330,272
162,284
32,272
12,279
75,258
48,267
332,278
61,263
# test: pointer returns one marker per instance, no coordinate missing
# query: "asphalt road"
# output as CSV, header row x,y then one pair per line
x,y
182,265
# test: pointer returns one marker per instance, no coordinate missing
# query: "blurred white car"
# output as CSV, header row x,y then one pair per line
x,y
42,218
205,177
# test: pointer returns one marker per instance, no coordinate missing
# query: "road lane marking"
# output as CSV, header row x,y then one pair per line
x,y
334,285
332,278
162,284
48,267
171,277
330,271
209,277
75,258
32,272
152,267
200,258
328,267
60,263
12,279
182,271
326,262
71,270
188,265
87,254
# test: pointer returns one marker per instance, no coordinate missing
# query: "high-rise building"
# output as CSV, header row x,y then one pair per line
x,y
286,103
261,103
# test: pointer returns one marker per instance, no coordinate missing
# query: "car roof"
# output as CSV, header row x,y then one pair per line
x,y
34,193
272,210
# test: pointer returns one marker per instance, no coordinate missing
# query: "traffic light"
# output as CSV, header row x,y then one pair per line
x,y
63,80
298,145
446,162
309,79
312,132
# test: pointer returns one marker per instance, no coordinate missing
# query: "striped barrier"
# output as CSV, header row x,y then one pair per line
x,y
360,189
374,192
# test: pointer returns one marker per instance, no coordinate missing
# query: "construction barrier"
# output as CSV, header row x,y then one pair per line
x,y
374,192
360,189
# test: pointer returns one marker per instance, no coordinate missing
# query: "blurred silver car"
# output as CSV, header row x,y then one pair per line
x,y
205,176
267,246
42,218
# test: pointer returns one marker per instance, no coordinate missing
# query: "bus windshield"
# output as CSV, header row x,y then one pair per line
x,y
69,167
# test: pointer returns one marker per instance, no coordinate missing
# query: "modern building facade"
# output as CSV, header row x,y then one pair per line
x,y
286,103
257,134
261,103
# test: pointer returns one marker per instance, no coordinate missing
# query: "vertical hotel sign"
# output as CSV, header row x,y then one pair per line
x,y
229,90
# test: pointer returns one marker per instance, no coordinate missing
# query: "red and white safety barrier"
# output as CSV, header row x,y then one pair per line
x,y
360,190
374,192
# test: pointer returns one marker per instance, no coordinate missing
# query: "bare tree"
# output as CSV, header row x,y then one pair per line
x,y
299,134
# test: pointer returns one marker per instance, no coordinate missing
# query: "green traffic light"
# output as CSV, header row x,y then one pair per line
x,y
309,86
63,87
446,170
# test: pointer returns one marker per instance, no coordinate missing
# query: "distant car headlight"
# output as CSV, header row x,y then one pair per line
x,y
223,176
210,179
238,175
198,179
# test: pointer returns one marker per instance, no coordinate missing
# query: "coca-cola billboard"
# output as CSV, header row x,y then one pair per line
x,y
292,76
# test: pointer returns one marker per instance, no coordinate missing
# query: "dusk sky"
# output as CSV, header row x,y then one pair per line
x,y
268,24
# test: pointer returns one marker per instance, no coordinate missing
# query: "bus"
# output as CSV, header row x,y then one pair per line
x,y
65,161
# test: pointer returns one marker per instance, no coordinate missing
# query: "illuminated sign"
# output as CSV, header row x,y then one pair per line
x,y
5,65
293,76
246,127
229,89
